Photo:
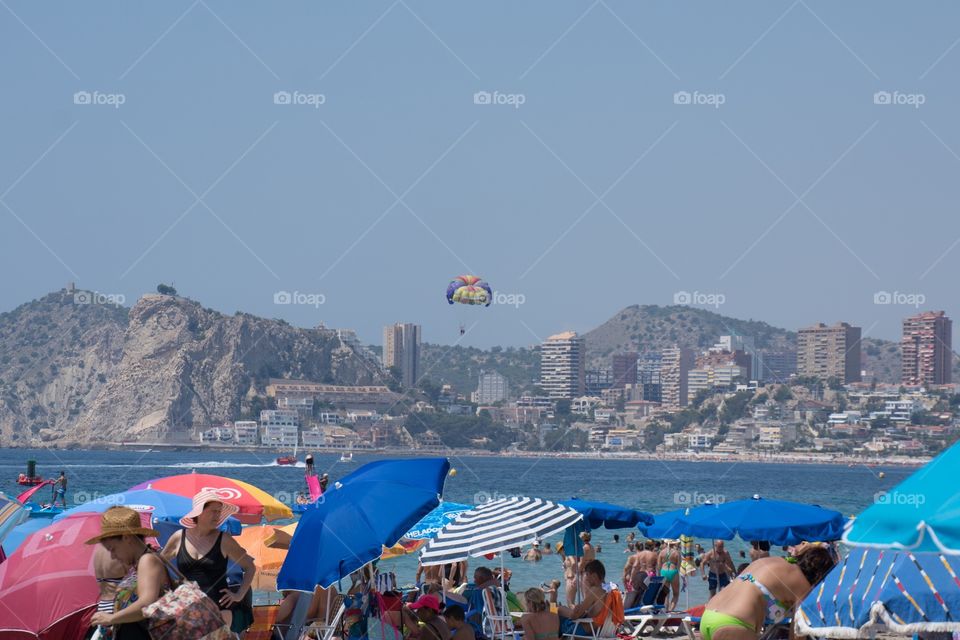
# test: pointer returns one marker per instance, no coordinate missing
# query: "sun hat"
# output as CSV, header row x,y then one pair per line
x,y
121,521
200,501
429,601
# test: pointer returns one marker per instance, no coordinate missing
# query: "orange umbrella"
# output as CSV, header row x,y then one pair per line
x,y
268,560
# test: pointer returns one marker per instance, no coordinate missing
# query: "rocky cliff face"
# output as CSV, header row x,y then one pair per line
x,y
87,373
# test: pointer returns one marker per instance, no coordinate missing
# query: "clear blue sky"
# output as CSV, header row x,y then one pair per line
x,y
796,199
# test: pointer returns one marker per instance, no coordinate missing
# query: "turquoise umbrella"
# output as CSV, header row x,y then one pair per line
x,y
922,513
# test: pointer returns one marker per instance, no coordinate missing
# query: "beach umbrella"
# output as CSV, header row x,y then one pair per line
x,y
369,509
12,514
255,504
922,513
873,590
430,525
610,516
778,521
47,586
267,559
21,532
497,526
160,506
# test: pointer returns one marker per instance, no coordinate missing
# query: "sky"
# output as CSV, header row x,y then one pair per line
x,y
340,162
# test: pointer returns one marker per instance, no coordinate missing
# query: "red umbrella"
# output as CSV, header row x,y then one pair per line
x,y
47,586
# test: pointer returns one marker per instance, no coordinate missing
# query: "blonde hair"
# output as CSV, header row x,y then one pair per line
x,y
535,600
585,536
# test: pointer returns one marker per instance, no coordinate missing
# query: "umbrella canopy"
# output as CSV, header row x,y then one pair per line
x,y
604,514
47,586
431,524
779,521
871,590
255,504
369,509
158,505
267,559
21,532
496,526
12,514
922,513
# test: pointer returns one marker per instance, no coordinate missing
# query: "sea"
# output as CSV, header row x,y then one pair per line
x,y
654,486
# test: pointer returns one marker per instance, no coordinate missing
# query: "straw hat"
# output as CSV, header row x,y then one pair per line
x,y
121,521
200,501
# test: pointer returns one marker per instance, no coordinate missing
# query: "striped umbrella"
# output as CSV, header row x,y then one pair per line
x,y
497,526
12,513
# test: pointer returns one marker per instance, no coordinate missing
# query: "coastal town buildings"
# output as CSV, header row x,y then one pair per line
x,y
926,354
491,388
562,365
625,368
829,352
675,366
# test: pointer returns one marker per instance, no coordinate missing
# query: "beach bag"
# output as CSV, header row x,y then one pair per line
x,y
185,613
386,582
379,625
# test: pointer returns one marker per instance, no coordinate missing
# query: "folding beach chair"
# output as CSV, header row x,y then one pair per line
x,y
497,621
318,628
651,616
605,625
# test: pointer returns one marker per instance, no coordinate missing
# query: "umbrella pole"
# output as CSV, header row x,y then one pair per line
x,y
503,594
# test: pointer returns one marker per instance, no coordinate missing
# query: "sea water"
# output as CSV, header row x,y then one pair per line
x,y
649,485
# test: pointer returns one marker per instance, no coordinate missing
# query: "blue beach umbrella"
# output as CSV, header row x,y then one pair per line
x,y
21,532
922,513
778,521
371,508
872,590
429,526
161,505
610,516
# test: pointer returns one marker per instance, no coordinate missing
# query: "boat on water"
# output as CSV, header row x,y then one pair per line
x,y
30,478
287,460
346,456
42,510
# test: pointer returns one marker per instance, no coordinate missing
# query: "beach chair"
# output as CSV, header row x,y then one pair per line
x,y
497,621
651,616
606,623
318,628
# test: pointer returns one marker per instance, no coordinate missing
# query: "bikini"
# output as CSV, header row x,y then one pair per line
x,y
776,611
106,606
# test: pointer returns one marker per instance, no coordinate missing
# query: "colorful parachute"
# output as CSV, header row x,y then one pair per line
x,y
469,290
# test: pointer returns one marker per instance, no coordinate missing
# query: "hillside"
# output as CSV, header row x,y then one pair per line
x,y
460,366
652,327
91,372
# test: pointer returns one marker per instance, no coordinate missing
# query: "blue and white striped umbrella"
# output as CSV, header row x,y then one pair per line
x,y
497,526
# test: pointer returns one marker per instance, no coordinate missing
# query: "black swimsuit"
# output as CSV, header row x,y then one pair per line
x,y
209,572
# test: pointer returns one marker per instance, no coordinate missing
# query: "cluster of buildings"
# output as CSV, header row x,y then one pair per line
x,y
616,406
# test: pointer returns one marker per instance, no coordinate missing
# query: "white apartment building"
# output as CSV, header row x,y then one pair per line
x,y
246,433
492,388
776,436
561,365
279,427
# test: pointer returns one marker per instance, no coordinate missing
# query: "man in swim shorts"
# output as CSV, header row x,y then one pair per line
x,y
717,567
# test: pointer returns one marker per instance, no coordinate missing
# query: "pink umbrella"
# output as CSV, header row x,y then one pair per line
x,y
47,586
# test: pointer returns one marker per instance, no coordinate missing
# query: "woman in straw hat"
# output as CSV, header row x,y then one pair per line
x,y
123,535
202,551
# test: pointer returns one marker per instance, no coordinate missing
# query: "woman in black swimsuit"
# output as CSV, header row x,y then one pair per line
x,y
202,551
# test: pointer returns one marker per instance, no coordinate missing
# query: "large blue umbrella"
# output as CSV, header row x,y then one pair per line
x,y
899,591
429,525
922,513
23,531
778,521
604,514
371,508
161,505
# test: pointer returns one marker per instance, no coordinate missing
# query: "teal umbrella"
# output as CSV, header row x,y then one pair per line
x,y
922,513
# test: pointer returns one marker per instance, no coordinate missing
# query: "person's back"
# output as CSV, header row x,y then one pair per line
x,y
109,572
541,625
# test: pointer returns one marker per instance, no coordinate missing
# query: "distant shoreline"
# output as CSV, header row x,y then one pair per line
x,y
752,457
